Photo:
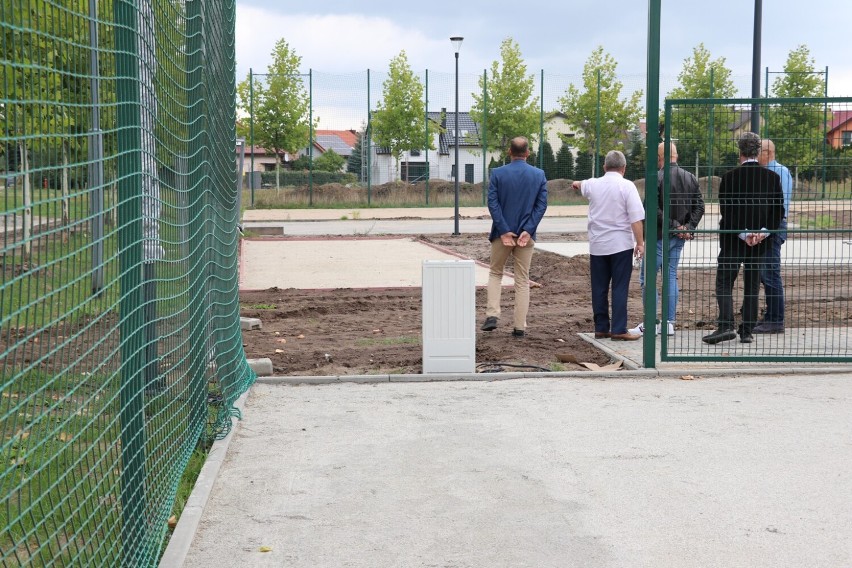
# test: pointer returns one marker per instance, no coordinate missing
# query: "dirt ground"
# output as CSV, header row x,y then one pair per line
x,y
353,332
349,332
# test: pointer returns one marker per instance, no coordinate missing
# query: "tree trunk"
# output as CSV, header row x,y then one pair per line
x,y
28,202
277,176
66,217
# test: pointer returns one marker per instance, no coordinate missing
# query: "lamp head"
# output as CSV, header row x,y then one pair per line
x,y
457,41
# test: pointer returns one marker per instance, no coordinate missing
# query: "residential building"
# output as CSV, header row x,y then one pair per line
x,y
840,129
417,164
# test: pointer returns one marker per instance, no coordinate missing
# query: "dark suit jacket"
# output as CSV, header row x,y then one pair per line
x,y
517,199
750,199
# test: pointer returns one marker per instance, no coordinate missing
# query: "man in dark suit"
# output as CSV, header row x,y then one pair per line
x,y
750,201
517,200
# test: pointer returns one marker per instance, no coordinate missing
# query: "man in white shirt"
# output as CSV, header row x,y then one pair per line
x,y
615,238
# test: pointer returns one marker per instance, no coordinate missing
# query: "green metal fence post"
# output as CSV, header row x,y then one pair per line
x,y
426,126
541,124
195,187
710,135
652,109
598,128
128,100
311,137
766,107
485,176
251,132
369,142
96,157
825,133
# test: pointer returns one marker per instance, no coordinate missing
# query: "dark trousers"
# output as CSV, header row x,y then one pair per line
x,y
726,275
770,276
613,270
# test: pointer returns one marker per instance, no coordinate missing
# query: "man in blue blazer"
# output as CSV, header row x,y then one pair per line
x,y
517,200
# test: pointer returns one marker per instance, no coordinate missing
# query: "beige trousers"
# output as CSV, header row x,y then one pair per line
x,y
523,258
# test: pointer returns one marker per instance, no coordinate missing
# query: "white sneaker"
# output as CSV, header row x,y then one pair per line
x,y
639,329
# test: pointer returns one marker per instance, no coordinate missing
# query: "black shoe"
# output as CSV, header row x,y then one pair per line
x,y
768,327
490,324
746,338
721,334
517,332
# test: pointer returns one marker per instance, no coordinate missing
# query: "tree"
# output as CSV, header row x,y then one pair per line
x,y
584,166
532,159
548,160
353,164
330,161
301,163
702,78
797,129
281,104
504,104
617,117
636,161
564,163
397,123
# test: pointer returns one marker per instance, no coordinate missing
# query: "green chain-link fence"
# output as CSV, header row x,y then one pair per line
x,y
347,104
120,346
811,311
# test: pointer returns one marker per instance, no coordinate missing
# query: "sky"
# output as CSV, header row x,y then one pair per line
x,y
336,36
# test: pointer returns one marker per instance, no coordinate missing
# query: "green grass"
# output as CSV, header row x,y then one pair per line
x,y
820,222
397,195
260,307
61,461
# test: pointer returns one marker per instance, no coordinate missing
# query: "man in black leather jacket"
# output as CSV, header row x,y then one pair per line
x,y
686,208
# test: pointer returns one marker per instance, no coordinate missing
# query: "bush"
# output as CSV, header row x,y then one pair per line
x,y
298,178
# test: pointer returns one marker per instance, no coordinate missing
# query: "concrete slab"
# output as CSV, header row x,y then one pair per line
x,y
340,263
727,471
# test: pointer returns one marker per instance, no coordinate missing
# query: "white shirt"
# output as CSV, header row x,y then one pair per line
x,y
614,205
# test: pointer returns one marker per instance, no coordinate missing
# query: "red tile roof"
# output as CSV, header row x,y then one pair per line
x,y
348,136
838,118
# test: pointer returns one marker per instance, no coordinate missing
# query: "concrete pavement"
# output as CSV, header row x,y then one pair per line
x,y
589,472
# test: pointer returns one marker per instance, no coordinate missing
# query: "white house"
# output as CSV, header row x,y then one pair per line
x,y
416,165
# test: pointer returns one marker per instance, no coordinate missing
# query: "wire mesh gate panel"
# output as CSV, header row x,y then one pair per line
x,y
815,265
120,345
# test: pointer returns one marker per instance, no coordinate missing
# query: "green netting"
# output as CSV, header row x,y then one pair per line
x,y
120,346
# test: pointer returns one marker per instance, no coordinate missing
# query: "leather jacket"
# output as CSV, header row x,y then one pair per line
x,y
686,206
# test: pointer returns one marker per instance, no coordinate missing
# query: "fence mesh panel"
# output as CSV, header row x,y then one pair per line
x,y
120,346
816,256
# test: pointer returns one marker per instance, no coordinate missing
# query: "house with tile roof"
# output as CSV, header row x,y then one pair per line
x,y
840,129
343,142
418,164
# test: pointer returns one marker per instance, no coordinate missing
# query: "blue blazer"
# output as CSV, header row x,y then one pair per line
x,y
517,199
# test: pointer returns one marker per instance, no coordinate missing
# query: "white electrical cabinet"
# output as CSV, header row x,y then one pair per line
x,y
449,316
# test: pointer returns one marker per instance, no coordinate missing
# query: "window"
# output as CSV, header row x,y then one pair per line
x,y
468,173
847,137
415,171
414,153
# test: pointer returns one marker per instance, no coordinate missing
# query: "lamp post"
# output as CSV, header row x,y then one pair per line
x,y
457,41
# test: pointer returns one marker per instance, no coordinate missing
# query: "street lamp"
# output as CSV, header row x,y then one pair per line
x,y
457,41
